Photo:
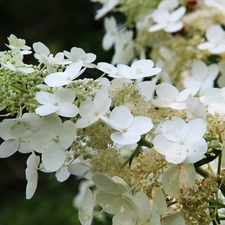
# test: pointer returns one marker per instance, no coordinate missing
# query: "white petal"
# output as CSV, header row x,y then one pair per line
x,y
218,49
126,138
46,110
206,45
175,130
40,48
196,127
167,92
141,125
8,148
102,101
108,41
45,98
86,121
199,69
67,110
177,154
62,174
197,147
157,27
173,27
74,68
63,95
67,135
161,16
121,117
147,89
177,14
58,79
87,109
53,158
214,33
105,184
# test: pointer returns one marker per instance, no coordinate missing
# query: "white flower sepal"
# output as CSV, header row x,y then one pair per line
x,y
129,128
61,102
59,79
182,141
32,175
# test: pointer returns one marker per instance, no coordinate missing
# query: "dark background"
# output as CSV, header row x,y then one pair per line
x,y
60,25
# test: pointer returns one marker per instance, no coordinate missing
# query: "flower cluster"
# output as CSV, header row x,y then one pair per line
x,y
148,135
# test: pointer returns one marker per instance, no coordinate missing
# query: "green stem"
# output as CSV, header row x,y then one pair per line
x,y
130,158
145,143
19,88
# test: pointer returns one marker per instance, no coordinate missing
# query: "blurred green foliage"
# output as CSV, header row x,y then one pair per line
x,y
60,25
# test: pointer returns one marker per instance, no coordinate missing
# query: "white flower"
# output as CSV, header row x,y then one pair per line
x,y
61,102
113,71
129,128
215,40
169,22
85,211
62,174
124,48
77,54
80,167
214,99
169,96
52,141
115,197
147,89
203,76
180,141
219,4
141,68
43,55
108,6
168,4
22,69
59,79
147,215
18,44
90,111
111,31
195,108
32,175
17,134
